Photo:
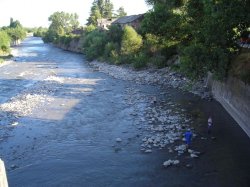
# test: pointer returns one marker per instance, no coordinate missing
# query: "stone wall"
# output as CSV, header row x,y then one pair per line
x,y
74,46
234,95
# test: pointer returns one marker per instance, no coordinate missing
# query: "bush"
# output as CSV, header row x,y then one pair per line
x,y
152,44
109,47
114,57
115,34
90,28
50,37
131,41
159,61
140,61
40,32
94,44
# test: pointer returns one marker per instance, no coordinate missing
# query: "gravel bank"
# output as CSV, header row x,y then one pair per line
x,y
163,77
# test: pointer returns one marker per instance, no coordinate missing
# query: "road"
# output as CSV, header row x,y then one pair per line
x,y
63,123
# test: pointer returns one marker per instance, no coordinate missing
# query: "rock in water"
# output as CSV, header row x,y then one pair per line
x,y
175,162
189,165
171,162
193,155
167,163
14,124
118,140
148,151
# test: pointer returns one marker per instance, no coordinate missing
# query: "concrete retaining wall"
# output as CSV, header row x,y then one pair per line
x,y
234,95
74,46
3,178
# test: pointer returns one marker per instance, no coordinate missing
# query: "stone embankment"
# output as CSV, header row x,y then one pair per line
x,y
74,46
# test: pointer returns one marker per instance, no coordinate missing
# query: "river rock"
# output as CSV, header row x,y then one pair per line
x,y
118,140
13,166
171,162
148,151
189,166
192,155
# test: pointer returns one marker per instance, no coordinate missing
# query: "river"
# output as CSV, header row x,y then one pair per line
x,y
63,123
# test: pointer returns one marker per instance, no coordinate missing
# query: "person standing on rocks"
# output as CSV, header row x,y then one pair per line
x,y
209,124
188,137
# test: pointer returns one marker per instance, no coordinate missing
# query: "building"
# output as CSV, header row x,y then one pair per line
x,y
133,21
104,23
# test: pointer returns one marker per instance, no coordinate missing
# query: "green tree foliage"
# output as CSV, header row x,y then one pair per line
x,y
39,32
131,41
95,14
90,28
205,32
4,42
94,44
116,45
100,9
115,34
108,9
14,24
61,23
15,31
217,25
121,12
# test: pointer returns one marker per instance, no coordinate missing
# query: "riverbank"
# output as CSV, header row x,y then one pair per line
x,y
162,77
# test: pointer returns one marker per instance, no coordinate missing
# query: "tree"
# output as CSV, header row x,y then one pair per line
x,y
4,41
61,23
215,27
14,24
95,14
100,9
108,9
206,31
121,12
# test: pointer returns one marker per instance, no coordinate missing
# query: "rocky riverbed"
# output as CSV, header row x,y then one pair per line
x,y
165,122
164,77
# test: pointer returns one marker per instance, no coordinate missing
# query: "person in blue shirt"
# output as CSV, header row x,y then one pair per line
x,y
188,137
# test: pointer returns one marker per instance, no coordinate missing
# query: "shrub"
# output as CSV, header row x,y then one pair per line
x,y
159,61
94,44
152,44
40,32
115,34
114,57
90,28
140,61
131,41
109,47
